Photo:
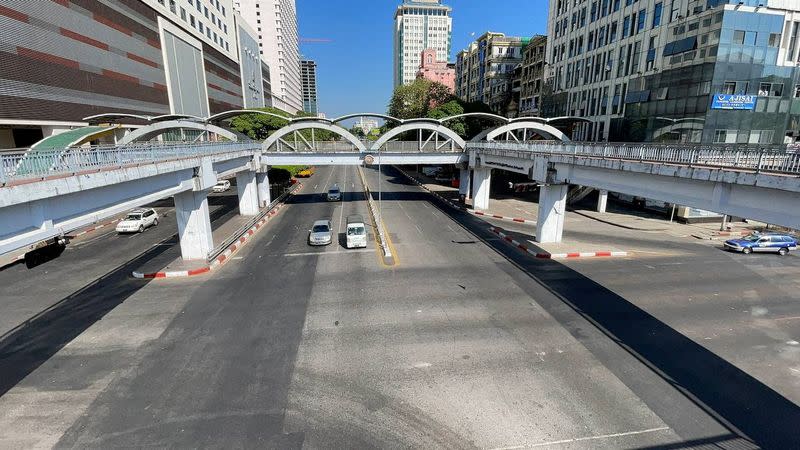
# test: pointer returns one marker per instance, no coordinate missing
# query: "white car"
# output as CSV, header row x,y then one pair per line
x,y
137,221
221,186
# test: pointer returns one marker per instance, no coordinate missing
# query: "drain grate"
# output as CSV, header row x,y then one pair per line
x,y
464,242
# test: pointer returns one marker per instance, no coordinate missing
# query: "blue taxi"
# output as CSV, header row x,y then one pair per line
x,y
773,242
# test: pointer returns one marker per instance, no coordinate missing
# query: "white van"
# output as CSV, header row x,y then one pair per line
x,y
356,232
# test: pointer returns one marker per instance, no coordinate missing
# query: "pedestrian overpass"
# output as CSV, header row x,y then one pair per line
x,y
49,192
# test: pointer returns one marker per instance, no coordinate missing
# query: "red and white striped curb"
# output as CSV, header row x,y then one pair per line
x,y
219,260
546,255
733,233
495,216
459,207
95,228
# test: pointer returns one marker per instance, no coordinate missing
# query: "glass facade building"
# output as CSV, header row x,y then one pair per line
x,y
684,71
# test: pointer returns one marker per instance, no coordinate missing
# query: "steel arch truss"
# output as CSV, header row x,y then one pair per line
x,y
523,131
438,138
156,129
299,143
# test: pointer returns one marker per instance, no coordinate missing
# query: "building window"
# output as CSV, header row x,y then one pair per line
x,y
183,14
729,88
774,39
770,89
797,91
725,136
657,14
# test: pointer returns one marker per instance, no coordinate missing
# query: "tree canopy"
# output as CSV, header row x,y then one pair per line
x,y
424,98
261,126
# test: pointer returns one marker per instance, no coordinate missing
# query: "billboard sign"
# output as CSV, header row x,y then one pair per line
x,y
734,101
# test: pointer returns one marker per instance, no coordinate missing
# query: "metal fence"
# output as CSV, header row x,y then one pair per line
x,y
755,158
31,164
391,146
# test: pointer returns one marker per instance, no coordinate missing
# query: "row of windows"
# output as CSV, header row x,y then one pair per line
x,y
198,24
765,89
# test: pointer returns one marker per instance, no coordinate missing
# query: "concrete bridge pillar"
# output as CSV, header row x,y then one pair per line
x,y
602,201
194,224
248,193
552,206
264,196
463,183
482,179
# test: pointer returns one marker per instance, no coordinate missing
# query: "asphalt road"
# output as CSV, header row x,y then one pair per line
x,y
464,343
93,256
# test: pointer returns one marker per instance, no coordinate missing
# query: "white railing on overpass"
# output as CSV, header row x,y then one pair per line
x,y
776,159
33,164
391,146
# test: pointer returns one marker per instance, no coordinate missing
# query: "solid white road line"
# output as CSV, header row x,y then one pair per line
x,y
587,438
335,252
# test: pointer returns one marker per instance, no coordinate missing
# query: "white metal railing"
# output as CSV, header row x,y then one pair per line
x,y
756,158
391,146
32,164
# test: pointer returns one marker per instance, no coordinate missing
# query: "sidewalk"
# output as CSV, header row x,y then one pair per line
x,y
526,208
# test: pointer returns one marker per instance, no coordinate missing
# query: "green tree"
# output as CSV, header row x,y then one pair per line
x,y
260,126
451,108
416,100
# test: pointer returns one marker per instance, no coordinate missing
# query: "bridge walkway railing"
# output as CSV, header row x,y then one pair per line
x,y
23,165
775,159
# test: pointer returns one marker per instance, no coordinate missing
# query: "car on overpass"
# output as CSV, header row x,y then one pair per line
x,y
320,233
138,220
763,243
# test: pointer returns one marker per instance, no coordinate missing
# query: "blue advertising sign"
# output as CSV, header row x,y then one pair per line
x,y
734,101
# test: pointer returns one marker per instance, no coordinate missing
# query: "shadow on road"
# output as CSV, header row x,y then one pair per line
x,y
29,345
733,397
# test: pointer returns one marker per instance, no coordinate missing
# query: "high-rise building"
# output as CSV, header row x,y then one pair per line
x,y
485,69
532,76
308,76
61,63
710,71
418,25
275,23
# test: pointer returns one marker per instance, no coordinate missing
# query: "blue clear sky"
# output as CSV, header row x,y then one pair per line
x,y
355,69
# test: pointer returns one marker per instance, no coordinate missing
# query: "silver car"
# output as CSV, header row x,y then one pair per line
x,y
320,233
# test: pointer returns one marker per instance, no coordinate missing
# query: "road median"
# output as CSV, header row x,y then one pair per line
x,y
380,233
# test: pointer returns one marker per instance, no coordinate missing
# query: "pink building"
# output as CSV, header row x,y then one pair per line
x,y
433,70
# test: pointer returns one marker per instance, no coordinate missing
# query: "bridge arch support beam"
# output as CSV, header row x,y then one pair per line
x,y
416,126
151,131
308,125
542,129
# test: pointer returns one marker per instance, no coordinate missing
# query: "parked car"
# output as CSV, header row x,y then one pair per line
x,y
221,186
320,233
137,221
356,232
335,194
773,242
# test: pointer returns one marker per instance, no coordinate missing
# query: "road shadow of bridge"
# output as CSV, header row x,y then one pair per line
x,y
26,347
731,396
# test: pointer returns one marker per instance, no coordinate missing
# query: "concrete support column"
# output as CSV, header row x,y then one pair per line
x,y
194,224
264,196
602,201
552,205
463,184
248,193
482,179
